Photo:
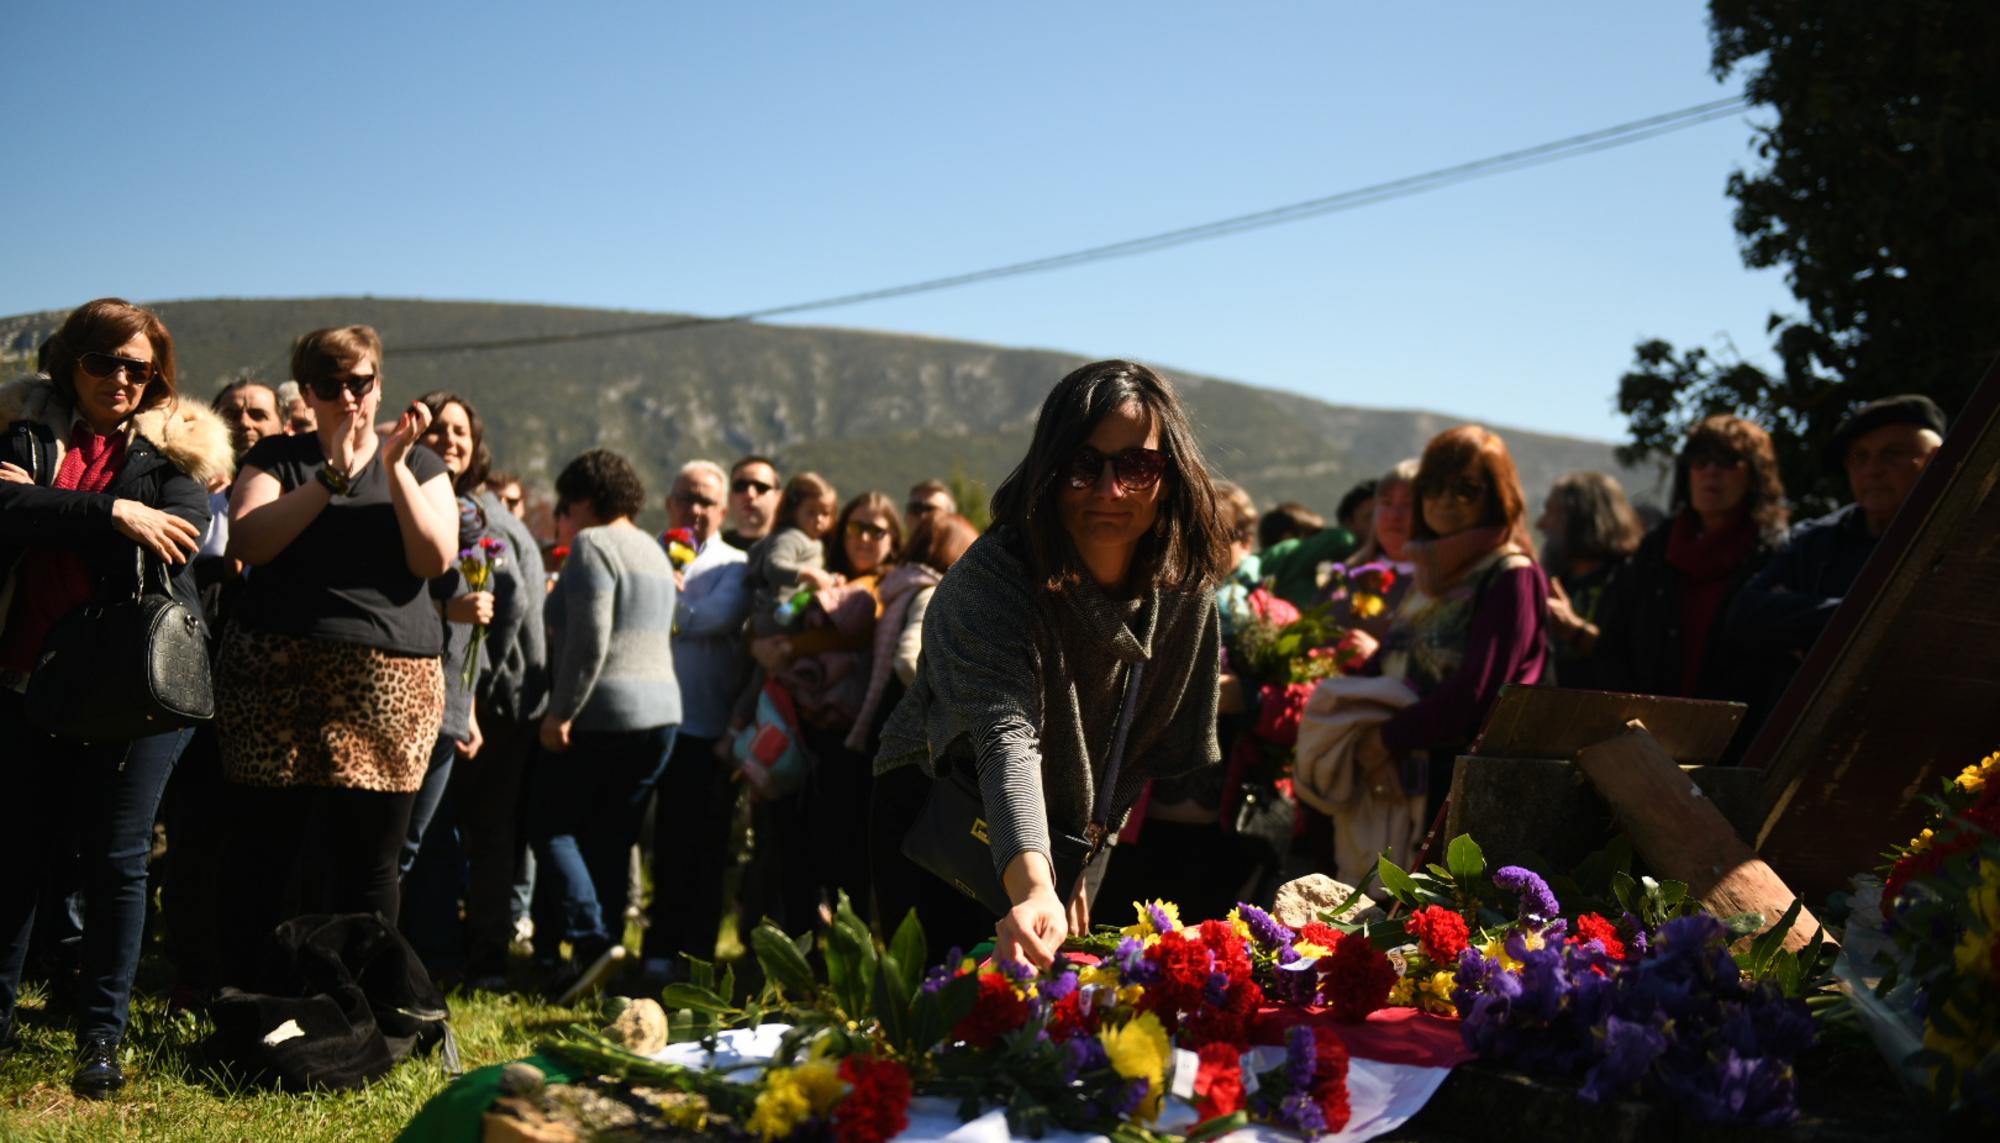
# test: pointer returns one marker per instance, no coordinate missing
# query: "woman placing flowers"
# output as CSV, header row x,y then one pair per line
x,y
1099,570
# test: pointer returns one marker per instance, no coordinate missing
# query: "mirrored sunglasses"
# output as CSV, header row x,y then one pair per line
x,y
1135,469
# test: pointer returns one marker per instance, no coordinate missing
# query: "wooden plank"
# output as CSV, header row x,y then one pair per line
x,y
1903,688
1681,835
1554,722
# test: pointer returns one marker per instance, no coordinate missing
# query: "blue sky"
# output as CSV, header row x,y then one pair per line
x,y
719,157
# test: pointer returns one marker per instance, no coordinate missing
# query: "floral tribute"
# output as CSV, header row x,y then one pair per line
x,y
477,563
680,545
1941,906
1360,592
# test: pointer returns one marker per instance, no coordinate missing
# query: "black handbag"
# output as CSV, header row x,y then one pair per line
x,y
125,669
949,837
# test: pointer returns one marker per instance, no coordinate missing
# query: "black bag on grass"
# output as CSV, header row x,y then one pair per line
x,y
335,1003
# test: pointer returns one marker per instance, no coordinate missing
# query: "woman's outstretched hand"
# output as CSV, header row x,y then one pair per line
x,y
161,533
1032,932
411,425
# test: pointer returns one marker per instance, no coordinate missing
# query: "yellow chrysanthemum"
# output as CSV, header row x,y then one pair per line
x,y
1368,606
1139,1049
1973,778
1495,950
1237,922
1402,993
1130,994
1098,975
1435,994
1922,841
781,1106
1146,929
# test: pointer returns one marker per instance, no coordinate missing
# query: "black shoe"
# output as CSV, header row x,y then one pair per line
x,y
8,1041
98,1075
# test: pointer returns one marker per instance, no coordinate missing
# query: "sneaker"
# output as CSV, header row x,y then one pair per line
x,y
98,1075
595,973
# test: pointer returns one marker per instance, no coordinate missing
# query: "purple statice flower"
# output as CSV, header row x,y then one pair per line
x,y
1634,931
1298,981
1537,904
1268,930
1082,1054
1055,988
1216,989
1301,1057
1130,957
1287,954
1126,1100
1728,1088
1161,922
1299,1112
1628,1051
937,977
1015,971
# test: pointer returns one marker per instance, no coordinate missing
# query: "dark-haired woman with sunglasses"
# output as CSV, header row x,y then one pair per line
x,y
1098,574
329,690
100,459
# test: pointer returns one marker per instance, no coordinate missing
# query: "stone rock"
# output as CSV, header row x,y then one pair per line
x,y
641,1028
1303,900
521,1078
519,1121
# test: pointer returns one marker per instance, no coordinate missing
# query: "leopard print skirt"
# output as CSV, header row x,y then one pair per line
x,y
309,712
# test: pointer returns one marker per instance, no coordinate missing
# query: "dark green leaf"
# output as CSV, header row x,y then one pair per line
x,y
693,997
784,965
1765,947
892,1005
1396,881
1740,925
1465,859
911,954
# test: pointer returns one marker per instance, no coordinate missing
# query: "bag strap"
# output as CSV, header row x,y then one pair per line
x,y
1102,809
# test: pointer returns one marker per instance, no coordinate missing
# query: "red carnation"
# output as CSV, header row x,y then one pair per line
x,y
997,1011
1318,933
1329,1086
1067,1019
878,1107
1356,979
1591,927
1440,933
1204,991
1218,1083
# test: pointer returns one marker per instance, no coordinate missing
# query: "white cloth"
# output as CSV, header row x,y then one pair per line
x,y
1326,776
1381,1097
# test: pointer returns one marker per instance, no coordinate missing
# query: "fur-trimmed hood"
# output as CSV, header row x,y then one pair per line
x,y
193,438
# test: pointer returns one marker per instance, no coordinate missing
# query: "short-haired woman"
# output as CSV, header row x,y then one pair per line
x,y
1098,573
124,466
1591,529
1472,622
1662,619
329,690
612,715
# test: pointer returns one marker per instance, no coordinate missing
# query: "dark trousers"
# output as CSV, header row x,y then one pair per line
x,y
584,807
835,805
783,879
471,853
430,795
97,802
950,918
693,810
297,850
197,838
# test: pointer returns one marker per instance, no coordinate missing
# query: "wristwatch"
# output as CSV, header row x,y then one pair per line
x,y
336,481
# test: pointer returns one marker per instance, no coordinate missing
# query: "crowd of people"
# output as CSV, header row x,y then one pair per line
x,y
427,713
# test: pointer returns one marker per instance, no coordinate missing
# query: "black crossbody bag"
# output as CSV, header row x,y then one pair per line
x,y
949,837
124,669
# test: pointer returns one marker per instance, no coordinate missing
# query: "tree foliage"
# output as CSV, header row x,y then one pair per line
x,y
1879,195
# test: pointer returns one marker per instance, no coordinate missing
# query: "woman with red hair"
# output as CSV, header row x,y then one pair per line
x,y
1473,621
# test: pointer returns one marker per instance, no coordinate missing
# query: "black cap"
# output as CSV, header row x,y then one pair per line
x,y
1902,409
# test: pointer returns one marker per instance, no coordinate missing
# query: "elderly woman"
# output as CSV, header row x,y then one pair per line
x,y
1078,635
100,459
329,692
613,712
1591,529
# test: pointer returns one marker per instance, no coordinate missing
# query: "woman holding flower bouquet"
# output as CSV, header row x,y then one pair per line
x,y
1094,584
329,693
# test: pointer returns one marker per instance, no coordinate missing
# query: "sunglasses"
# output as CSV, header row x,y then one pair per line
x,y
1723,460
101,365
328,388
1462,490
754,487
511,501
1135,469
868,532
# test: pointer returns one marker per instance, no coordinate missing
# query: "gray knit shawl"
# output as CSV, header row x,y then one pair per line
x,y
1028,685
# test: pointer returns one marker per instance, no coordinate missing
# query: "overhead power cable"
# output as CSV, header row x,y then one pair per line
x,y
1621,135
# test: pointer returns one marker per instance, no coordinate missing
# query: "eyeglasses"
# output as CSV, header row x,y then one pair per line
x,y
867,532
328,388
1713,459
512,502
744,484
690,500
1135,469
1462,490
103,365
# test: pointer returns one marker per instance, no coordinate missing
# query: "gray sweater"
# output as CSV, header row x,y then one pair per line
x,y
1028,686
514,679
610,618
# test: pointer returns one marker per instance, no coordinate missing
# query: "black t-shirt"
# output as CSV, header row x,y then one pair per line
x,y
344,578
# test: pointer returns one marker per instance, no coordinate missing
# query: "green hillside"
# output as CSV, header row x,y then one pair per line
x,y
869,410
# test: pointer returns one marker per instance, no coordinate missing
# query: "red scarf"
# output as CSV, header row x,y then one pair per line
x,y
1706,561
52,580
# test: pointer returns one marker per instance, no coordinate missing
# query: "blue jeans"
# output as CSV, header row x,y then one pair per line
x,y
436,776
98,801
584,808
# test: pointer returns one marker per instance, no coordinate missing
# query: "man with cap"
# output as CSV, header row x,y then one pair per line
x,y
1883,447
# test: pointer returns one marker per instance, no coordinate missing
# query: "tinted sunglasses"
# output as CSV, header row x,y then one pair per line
x,y
868,532
328,388
744,484
102,365
1135,469
1462,490
1712,458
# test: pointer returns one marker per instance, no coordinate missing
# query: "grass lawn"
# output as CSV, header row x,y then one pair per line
x,y
172,1094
